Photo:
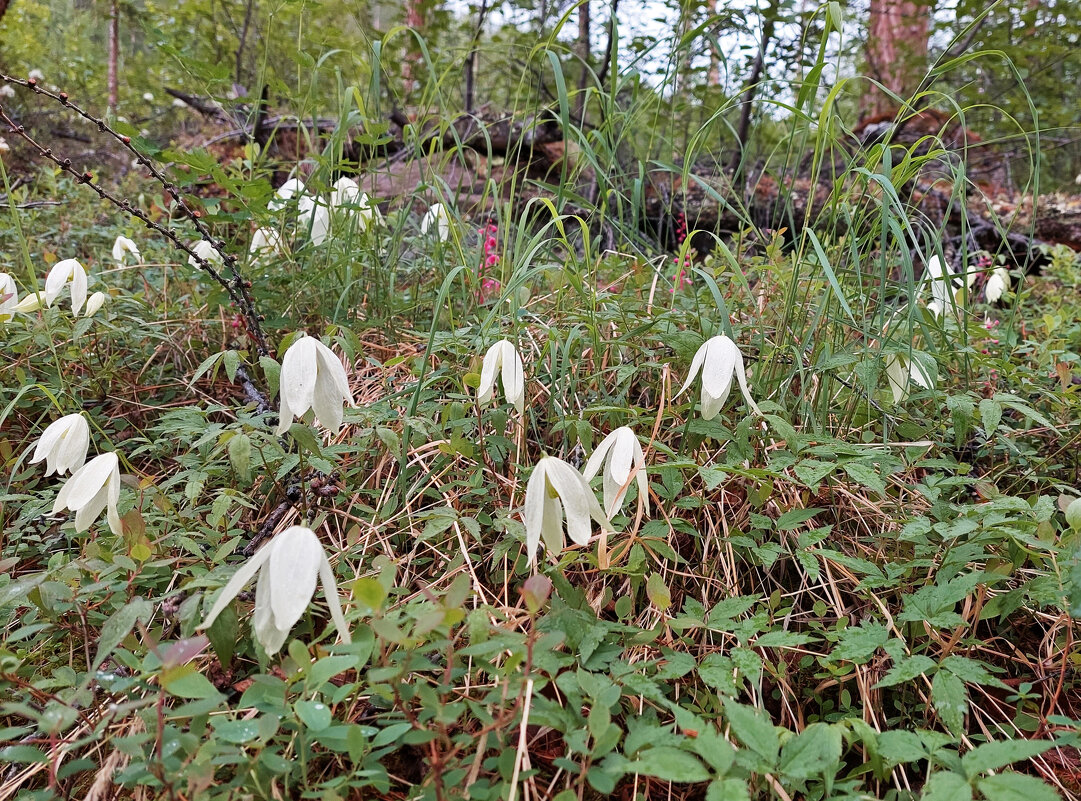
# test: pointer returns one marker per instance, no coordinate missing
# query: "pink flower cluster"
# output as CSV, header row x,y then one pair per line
x,y
681,235
488,285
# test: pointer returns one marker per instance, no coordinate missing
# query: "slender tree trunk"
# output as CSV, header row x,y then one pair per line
x,y
471,59
414,18
752,88
114,55
583,49
896,51
613,11
714,76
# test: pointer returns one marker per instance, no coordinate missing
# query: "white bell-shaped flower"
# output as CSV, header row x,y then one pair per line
x,y
285,193
63,445
93,487
619,453
945,287
503,358
266,242
94,304
719,360
997,283
312,377
313,218
902,371
122,247
554,488
348,201
32,302
205,251
437,219
62,273
9,297
288,567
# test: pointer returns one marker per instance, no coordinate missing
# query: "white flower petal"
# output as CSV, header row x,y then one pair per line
x,y
719,366
291,574
513,376
78,288
533,513
579,502
596,459
330,589
300,371
696,365
493,361
89,480
94,304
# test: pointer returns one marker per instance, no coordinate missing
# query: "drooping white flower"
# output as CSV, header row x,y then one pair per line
x,y
94,304
285,193
997,283
553,488
123,246
312,377
903,370
348,200
945,286
91,488
619,452
205,251
265,242
9,297
63,445
503,357
32,302
4,146
313,218
63,272
148,97
437,218
720,360
7,90
36,75
288,567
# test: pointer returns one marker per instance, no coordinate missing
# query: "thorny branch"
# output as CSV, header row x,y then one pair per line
x,y
235,287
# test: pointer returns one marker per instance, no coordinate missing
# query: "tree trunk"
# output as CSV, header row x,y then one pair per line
x,y
414,18
896,51
582,48
114,55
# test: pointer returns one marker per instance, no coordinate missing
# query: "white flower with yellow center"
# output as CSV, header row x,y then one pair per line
x,y
63,273
554,488
619,453
312,377
719,360
63,445
288,567
503,358
93,487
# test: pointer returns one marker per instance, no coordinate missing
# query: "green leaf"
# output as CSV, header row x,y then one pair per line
x,y
754,729
232,362
223,634
897,746
990,415
669,764
1012,786
240,456
658,592
858,643
793,517
119,626
812,471
727,790
906,670
866,475
305,438
184,681
313,714
946,786
326,668
950,699
811,753
992,756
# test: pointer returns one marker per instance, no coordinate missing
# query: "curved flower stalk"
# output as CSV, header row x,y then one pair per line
x,y
312,377
619,453
93,487
205,251
719,360
122,247
288,567
902,371
997,284
348,201
437,219
62,273
553,488
504,358
63,445
9,296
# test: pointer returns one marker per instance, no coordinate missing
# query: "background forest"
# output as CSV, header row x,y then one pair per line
x,y
540,400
